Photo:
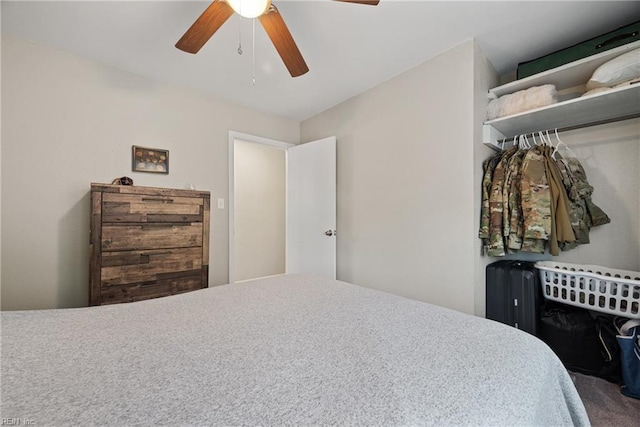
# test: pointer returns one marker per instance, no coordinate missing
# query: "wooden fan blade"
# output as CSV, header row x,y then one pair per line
x,y
208,23
368,2
283,41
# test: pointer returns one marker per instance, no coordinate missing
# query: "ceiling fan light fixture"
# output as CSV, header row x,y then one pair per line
x,y
249,8
219,11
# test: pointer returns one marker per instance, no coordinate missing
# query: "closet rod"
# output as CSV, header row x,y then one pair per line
x,y
590,124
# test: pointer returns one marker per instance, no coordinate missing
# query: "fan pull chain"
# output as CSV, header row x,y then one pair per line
x,y
240,32
253,53
239,36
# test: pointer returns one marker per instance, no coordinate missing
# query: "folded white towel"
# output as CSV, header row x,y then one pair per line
x,y
523,100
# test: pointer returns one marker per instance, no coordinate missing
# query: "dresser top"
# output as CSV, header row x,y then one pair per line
x,y
155,191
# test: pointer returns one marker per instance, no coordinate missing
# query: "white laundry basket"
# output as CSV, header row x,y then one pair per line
x,y
592,287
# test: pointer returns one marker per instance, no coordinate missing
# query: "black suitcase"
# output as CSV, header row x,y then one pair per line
x,y
514,294
623,35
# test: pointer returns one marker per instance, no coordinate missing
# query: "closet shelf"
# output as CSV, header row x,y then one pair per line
x,y
605,106
616,104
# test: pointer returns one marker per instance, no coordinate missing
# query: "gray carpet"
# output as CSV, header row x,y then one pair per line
x,y
605,404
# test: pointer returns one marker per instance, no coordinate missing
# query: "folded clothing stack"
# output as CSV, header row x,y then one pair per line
x,y
522,100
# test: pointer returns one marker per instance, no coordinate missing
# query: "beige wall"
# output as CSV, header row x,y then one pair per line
x,y
485,77
69,121
409,171
259,187
0,177
405,182
409,178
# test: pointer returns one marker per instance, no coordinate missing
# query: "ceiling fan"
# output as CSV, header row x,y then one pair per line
x,y
220,10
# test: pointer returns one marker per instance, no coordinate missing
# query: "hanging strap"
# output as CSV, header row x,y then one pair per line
x,y
628,325
609,357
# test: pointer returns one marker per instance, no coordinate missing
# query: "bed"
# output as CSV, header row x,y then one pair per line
x,y
288,350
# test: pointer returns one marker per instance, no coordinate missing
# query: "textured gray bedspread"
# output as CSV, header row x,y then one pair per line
x,y
289,350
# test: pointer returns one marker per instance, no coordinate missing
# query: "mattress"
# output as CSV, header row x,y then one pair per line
x,y
287,350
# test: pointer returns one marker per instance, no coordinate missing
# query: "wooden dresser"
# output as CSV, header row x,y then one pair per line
x,y
147,242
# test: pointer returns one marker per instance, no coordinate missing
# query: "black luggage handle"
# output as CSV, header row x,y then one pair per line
x,y
616,38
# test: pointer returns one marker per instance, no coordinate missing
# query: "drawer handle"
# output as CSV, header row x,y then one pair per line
x,y
156,225
157,253
151,199
146,285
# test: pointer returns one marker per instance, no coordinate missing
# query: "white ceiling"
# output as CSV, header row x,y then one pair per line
x,y
349,48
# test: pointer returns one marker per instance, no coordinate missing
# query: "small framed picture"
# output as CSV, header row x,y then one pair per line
x,y
150,160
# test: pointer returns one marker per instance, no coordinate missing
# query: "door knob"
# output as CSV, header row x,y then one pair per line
x,y
330,233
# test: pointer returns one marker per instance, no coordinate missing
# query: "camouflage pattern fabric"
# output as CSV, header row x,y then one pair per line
x,y
535,201
488,167
514,232
561,230
577,208
510,173
531,201
496,246
596,216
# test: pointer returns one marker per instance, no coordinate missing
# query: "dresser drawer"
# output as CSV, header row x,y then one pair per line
x,y
122,208
131,293
170,284
149,266
116,237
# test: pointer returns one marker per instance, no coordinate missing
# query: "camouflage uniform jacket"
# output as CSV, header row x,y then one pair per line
x,y
577,208
496,246
513,226
488,166
561,231
530,199
596,216
535,201
584,213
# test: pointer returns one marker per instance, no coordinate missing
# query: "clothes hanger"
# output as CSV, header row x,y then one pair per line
x,y
543,141
548,139
533,135
559,145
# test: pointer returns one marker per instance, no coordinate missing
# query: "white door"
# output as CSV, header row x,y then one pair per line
x,y
311,208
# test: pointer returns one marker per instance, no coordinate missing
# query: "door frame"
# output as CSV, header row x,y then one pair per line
x,y
233,135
